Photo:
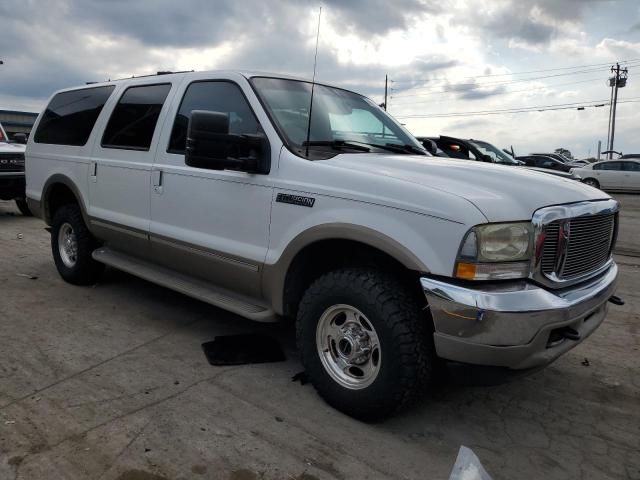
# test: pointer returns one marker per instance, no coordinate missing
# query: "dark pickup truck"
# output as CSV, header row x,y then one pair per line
x,y
12,182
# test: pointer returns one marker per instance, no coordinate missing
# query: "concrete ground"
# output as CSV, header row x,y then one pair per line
x,y
110,382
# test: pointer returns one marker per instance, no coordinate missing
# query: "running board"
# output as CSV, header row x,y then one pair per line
x,y
195,288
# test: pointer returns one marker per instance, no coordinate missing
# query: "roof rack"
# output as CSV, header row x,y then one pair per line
x,y
161,72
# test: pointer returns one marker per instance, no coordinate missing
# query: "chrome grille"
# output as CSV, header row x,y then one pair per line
x,y
587,245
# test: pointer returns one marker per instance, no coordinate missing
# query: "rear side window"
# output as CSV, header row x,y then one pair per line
x,y
70,116
608,166
216,96
134,118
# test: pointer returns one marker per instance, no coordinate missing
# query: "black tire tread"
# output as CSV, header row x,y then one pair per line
x,y
21,203
87,270
411,334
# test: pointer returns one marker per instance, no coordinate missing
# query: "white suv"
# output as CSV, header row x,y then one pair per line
x,y
216,184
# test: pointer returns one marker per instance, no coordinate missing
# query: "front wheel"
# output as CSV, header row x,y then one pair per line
x,y
592,182
365,342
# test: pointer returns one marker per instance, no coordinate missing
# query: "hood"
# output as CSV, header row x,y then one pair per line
x,y
500,192
12,147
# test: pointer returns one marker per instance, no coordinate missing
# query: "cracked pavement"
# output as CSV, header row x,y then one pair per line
x,y
109,382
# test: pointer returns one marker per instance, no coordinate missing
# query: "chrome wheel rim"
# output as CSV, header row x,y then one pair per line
x,y
68,245
348,347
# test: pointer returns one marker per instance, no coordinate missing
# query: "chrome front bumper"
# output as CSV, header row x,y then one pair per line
x,y
510,324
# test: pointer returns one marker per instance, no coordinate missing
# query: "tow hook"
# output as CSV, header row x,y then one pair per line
x,y
569,333
616,300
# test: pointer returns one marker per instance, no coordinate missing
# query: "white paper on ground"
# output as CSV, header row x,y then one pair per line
x,y
468,466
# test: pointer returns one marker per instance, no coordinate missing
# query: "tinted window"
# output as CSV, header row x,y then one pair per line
x,y
215,96
608,166
630,166
70,116
134,119
548,163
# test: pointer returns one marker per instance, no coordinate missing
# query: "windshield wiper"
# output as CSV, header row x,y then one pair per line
x,y
407,148
338,144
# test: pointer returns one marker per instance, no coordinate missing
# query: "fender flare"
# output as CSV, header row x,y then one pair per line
x,y
275,275
53,180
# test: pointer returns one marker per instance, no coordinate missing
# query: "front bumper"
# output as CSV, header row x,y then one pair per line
x,y
515,324
12,185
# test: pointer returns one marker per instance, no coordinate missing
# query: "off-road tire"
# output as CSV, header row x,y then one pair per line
x,y
21,203
86,270
404,329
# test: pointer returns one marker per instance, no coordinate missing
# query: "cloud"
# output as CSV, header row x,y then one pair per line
x,y
425,46
482,93
377,17
527,23
620,49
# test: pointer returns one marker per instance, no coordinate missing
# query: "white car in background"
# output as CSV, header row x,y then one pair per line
x,y
616,175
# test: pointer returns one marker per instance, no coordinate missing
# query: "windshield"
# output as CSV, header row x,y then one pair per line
x,y
341,121
497,155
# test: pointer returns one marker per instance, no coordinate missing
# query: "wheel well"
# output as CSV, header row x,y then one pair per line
x,y
59,195
324,256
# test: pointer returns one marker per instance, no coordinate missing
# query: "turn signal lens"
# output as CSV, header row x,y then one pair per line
x,y
466,271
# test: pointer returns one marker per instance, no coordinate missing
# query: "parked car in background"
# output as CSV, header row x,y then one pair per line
x,y
581,162
557,156
12,184
615,175
432,147
542,161
481,151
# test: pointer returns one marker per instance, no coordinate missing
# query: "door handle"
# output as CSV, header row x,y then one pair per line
x,y
93,171
156,177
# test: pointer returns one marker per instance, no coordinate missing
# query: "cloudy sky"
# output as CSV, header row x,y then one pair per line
x,y
444,58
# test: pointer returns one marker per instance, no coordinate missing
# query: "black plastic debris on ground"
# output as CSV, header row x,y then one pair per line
x,y
243,349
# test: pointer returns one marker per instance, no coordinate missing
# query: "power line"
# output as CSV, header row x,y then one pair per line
x,y
413,102
606,64
472,86
538,108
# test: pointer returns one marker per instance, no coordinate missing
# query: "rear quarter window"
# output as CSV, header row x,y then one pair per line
x,y
134,118
70,116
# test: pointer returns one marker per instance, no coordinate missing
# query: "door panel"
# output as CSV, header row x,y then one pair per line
x,y
120,174
610,177
631,176
212,224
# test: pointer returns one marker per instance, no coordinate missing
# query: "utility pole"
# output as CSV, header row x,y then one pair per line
x,y
612,84
599,148
619,81
386,83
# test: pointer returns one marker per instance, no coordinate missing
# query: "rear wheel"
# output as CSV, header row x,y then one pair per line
x,y
592,182
21,203
365,342
72,245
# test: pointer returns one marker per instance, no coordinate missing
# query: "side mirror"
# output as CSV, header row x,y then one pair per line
x,y
430,146
211,146
20,138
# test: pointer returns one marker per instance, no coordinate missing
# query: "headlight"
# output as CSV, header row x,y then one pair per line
x,y
495,252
